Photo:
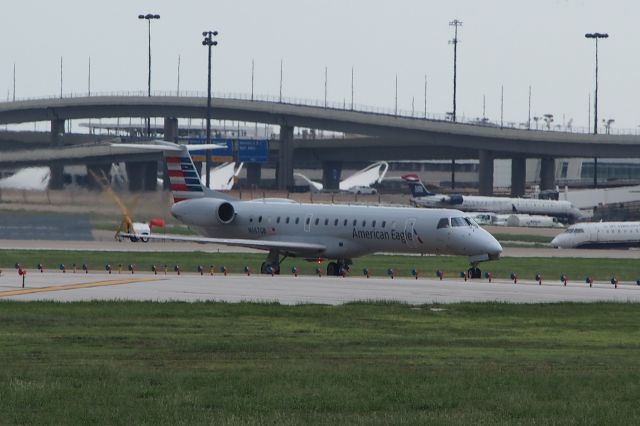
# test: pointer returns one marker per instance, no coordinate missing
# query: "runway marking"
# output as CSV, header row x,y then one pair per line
x,y
74,286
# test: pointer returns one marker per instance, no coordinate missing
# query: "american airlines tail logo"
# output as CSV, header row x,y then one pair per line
x,y
185,182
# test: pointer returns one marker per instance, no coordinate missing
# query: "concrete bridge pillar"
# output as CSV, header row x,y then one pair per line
x,y
56,180
170,135
101,171
485,172
547,173
150,182
518,176
331,172
285,158
254,171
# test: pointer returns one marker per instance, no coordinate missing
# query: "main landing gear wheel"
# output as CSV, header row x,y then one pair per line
x,y
474,272
332,269
268,268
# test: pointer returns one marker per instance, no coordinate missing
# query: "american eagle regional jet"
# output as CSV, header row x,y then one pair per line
x,y
339,233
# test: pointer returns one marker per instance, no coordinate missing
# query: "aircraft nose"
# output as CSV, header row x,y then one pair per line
x,y
494,248
556,241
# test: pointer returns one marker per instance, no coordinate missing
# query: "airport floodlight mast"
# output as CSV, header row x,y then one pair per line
x,y
455,23
149,17
209,42
596,37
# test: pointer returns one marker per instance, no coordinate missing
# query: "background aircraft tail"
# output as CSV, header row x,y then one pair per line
x,y
416,186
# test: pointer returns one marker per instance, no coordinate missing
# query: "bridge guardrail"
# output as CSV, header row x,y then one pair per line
x,y
346,106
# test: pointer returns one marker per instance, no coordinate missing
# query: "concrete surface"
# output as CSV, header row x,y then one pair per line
x,y
291,290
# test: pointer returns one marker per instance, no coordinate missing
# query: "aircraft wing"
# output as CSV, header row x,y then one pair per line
x,y
292,246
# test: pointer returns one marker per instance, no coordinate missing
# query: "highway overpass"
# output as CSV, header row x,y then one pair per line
x,y
390,136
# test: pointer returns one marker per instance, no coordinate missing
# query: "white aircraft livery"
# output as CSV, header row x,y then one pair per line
x,y
563,210
315,231
599,235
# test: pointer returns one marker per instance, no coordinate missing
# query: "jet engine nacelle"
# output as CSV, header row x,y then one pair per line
x,y
455,199
204,212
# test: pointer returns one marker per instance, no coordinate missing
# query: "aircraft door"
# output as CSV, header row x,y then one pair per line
x,y
307,222
410,233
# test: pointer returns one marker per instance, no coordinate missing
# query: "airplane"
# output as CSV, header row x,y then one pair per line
x,y
224,176
358,183
339,233
599,235
422,197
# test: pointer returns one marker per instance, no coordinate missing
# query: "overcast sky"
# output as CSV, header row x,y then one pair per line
x,y
514,43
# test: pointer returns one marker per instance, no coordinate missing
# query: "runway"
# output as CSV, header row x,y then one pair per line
x,y
289,290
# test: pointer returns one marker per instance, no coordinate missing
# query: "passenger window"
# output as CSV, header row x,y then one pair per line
x,y
287,220
345,222
335,222
308,220
298,220
355,222
364,223
250,219
384,223
317,220
443,223
260,219
373,224
278,219
326,222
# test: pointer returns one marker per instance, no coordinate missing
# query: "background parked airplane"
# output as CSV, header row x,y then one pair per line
x,y
563,210
315,231
358,181
599,235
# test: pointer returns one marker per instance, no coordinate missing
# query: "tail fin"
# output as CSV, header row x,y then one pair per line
x,y
416,186
184,180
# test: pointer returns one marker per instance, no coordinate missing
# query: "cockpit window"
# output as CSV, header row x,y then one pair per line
x,y
470,221
458,221
443,223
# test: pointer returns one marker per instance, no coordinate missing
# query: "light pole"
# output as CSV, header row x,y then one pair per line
x,y
596,37
607,124
209,41
149,17
455,23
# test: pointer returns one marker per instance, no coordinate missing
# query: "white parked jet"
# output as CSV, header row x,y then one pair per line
x,y
358,183
599,235
563,210
315,231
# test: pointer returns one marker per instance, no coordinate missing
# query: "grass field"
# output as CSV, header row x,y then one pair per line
x,y
576,269
214,363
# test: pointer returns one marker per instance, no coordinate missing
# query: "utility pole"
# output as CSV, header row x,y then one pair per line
x,y
351,88
596,37
280,81
209,42
425,96
455,23
178,88
253,69
89,79
325,87
396,101
529,117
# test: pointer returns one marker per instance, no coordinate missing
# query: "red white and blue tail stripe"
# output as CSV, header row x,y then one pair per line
x,y
184,180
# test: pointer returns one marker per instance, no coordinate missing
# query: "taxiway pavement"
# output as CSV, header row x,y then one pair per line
x,y
67,287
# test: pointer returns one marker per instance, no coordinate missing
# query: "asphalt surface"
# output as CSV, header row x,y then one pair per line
x,y
67,287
